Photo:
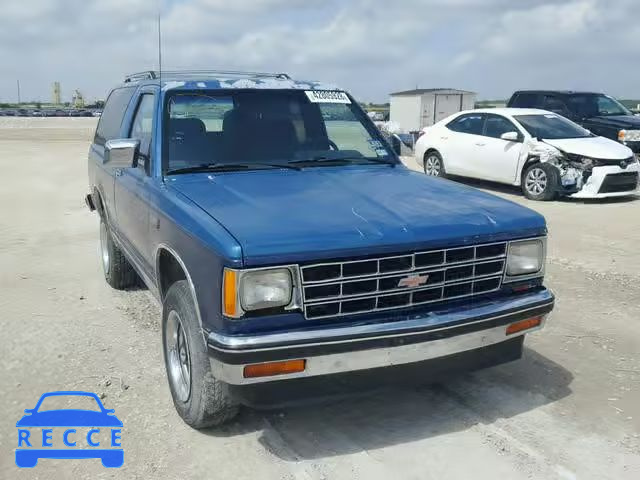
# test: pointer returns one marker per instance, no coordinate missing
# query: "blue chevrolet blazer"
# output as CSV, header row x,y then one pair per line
x,y
285,240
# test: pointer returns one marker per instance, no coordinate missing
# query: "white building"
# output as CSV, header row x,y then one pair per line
x,y
412,110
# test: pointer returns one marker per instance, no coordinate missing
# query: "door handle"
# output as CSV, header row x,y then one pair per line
x,y
480,144
444,138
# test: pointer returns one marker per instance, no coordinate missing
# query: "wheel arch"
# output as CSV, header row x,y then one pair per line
x,y
532,160
430,150
98,202
170,268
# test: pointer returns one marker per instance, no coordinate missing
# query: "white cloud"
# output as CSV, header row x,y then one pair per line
x,y
371,47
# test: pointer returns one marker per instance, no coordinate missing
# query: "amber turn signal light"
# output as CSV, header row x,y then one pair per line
x,y
229,294
274,368
523,325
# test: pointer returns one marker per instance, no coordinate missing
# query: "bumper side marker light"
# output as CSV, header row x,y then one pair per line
x,y
523,325
274,368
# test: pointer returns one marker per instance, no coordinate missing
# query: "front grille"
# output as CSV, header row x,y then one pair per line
x,y
401,281
619,182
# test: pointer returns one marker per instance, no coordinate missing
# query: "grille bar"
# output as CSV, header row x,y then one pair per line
x,y
369,285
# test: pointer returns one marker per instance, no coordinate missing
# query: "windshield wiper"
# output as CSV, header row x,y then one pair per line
x,y
228,167
340,160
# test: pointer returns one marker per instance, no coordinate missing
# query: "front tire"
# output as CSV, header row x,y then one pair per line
x,y
118,272
540,182
200,399
433,165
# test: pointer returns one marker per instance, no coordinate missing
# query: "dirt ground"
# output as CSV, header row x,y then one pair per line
x,y
570,409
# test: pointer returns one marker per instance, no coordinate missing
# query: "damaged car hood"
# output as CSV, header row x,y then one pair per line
x,y
593,147
329,212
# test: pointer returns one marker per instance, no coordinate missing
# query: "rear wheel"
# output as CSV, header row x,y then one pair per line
x,y
200,399
118,272
540,182
433,164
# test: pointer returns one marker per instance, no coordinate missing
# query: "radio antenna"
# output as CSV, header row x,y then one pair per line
x,y
159,45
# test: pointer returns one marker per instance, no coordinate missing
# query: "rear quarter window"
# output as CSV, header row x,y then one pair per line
x,y
112,115
525,100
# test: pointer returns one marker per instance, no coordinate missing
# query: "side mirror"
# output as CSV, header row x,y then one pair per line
x,y
396,144
121,152
510,136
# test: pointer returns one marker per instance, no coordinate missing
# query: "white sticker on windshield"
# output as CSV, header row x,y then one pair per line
x,y
326,96
550,116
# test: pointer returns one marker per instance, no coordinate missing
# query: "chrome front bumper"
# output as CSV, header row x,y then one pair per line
x,y
421,337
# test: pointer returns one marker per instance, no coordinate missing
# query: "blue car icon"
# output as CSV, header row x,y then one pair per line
x,y
110,457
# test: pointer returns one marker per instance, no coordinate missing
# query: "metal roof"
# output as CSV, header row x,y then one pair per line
x,y
421,91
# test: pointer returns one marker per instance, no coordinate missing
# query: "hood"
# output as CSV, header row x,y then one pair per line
x,y
281,216
594,147
618,121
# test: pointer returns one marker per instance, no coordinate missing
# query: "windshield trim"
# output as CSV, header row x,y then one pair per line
x,y
391,157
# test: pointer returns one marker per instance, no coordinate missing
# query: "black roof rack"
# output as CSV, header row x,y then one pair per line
x,y
152,75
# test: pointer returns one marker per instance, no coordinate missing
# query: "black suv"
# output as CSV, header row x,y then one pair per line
x,y
597,112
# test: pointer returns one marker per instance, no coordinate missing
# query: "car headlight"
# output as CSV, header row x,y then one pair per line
x,y
629,135
525,257
259,289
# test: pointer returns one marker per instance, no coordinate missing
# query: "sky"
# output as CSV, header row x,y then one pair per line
x,y
369,47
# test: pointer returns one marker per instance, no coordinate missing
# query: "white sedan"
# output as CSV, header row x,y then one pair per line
x,y
542,152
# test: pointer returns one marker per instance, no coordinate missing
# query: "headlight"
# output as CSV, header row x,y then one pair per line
x,y
265,289
629,135
259,289
525,257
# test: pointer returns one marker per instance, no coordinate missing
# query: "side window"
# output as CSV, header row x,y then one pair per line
x,y
525,100
496,125
469,123
141,128
112,115
554,104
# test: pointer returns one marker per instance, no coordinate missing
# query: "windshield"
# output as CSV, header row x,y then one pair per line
x,y
551,126
595,105
265,128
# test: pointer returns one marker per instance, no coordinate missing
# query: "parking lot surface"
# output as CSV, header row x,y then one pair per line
x,y
570,409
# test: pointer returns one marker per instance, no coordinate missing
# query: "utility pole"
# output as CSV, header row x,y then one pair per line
x,y
18,82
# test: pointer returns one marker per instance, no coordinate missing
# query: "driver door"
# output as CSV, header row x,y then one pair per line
x,y
497,159
131,184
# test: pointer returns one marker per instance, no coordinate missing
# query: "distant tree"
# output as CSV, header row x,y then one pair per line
x,y
38,105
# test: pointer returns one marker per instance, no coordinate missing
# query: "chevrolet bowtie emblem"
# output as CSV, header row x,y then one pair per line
x,y
413,281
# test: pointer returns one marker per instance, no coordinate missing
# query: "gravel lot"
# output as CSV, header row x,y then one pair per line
x,y
569,409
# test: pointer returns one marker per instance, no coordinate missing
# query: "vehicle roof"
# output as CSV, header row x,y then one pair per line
x,y
215,79
560,92
510,111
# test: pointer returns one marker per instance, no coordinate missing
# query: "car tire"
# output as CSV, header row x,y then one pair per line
x,y
200,399
118,272
433,165
540,182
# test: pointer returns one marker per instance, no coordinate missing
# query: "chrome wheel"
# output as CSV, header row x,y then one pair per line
x,y
104,247
178,359
536,181
433,166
